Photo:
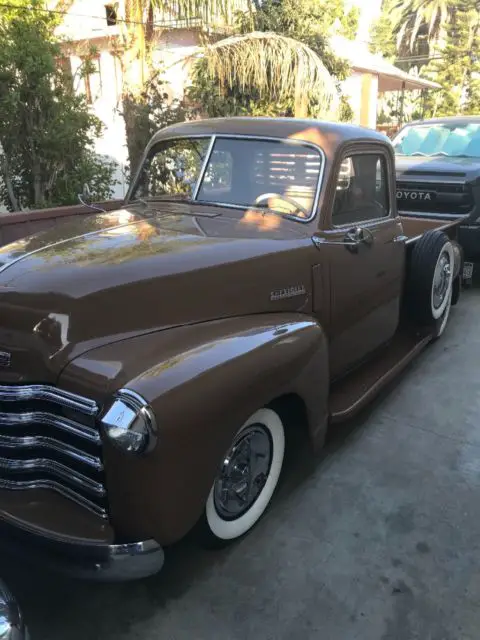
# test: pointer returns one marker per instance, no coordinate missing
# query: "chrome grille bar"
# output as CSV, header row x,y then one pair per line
x,y
47,393
57,468
42,417
44,442
40,448
51,485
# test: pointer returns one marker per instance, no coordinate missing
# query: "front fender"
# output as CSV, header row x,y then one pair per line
x,y
203,382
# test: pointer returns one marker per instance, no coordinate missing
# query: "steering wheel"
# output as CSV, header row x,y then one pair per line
x,y
267,196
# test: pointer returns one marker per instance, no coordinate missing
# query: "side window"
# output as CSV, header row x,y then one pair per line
x,y
218,177
362,190
173,168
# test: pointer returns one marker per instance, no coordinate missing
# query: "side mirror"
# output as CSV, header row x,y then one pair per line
x,y
86,196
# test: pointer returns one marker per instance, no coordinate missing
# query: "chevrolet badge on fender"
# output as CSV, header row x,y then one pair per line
x,y
289,292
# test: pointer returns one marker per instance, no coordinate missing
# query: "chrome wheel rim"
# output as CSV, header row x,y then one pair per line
x,y
11,622
441,280
244,472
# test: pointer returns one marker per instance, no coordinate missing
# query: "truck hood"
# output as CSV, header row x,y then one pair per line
x,y
419,167
111,276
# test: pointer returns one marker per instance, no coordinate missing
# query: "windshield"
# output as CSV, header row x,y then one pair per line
x,y
453,140
280,175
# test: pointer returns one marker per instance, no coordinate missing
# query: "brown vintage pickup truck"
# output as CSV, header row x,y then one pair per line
x,y
155,362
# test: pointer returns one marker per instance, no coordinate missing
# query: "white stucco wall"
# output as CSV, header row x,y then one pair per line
x,y
352,88
172,53
172,49
372,103
86,21
357,93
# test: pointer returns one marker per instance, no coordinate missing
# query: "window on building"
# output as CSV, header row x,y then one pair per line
x,y
65,67
111,15
93,80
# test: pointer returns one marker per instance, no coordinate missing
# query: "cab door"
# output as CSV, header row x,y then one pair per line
x,y
364,247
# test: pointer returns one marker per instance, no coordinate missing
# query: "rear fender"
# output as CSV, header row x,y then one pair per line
x,y
203,382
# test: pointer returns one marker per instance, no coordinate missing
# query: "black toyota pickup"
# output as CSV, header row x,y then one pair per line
x,y
438,174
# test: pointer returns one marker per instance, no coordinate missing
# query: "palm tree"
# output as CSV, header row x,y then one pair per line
x,y
139,35
276,64
412,18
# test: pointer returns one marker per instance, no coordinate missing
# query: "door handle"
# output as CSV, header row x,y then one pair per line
x,y
358,236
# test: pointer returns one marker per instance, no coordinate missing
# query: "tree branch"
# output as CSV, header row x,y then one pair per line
x,y
5,167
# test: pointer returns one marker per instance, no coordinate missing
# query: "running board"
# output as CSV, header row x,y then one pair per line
x,y
351,394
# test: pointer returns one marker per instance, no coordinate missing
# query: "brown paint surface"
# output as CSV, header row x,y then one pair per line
x,y
175,302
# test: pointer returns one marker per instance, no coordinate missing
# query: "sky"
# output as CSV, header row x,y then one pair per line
x,y
370,10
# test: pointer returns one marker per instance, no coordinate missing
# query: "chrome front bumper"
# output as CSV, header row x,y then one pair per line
x,y
12,626
81,559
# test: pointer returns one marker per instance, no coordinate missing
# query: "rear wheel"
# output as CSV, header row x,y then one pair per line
x,y
247,479
430,281
456,290
441,324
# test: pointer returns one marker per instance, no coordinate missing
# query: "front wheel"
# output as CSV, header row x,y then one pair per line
x,y
12,626
247,479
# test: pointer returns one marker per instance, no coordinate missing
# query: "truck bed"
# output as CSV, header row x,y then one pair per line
x,y
413,228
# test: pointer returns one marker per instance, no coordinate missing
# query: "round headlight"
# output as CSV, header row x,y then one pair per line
x,y
130,423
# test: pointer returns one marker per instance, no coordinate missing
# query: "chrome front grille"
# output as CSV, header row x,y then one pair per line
x,y
49,440
449,198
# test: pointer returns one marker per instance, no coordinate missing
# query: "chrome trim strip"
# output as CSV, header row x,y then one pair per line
x,y
44,442
48,393
51,485
133,397
203,168
57,468
432,214
425,180
51,420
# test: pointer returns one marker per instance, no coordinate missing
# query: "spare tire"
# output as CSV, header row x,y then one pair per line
x,y
430,281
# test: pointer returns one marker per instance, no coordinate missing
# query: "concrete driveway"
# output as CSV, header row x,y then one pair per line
x,y
379,541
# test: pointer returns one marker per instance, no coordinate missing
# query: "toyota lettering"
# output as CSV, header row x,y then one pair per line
x,y
414,195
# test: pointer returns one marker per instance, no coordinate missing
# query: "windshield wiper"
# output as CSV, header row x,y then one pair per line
x,y
207,203
164,198
289,216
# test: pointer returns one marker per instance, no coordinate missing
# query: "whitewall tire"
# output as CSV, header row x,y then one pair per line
x,y
442,281
442,322
247,479
430,281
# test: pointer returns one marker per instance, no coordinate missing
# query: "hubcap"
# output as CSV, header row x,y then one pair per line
x,y
11,622
441,280
244,472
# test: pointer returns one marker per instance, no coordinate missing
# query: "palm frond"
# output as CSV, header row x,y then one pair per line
x,y
210,11
275,65
410,17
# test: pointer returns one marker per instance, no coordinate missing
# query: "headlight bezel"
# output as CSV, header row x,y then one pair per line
x,y
129,423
